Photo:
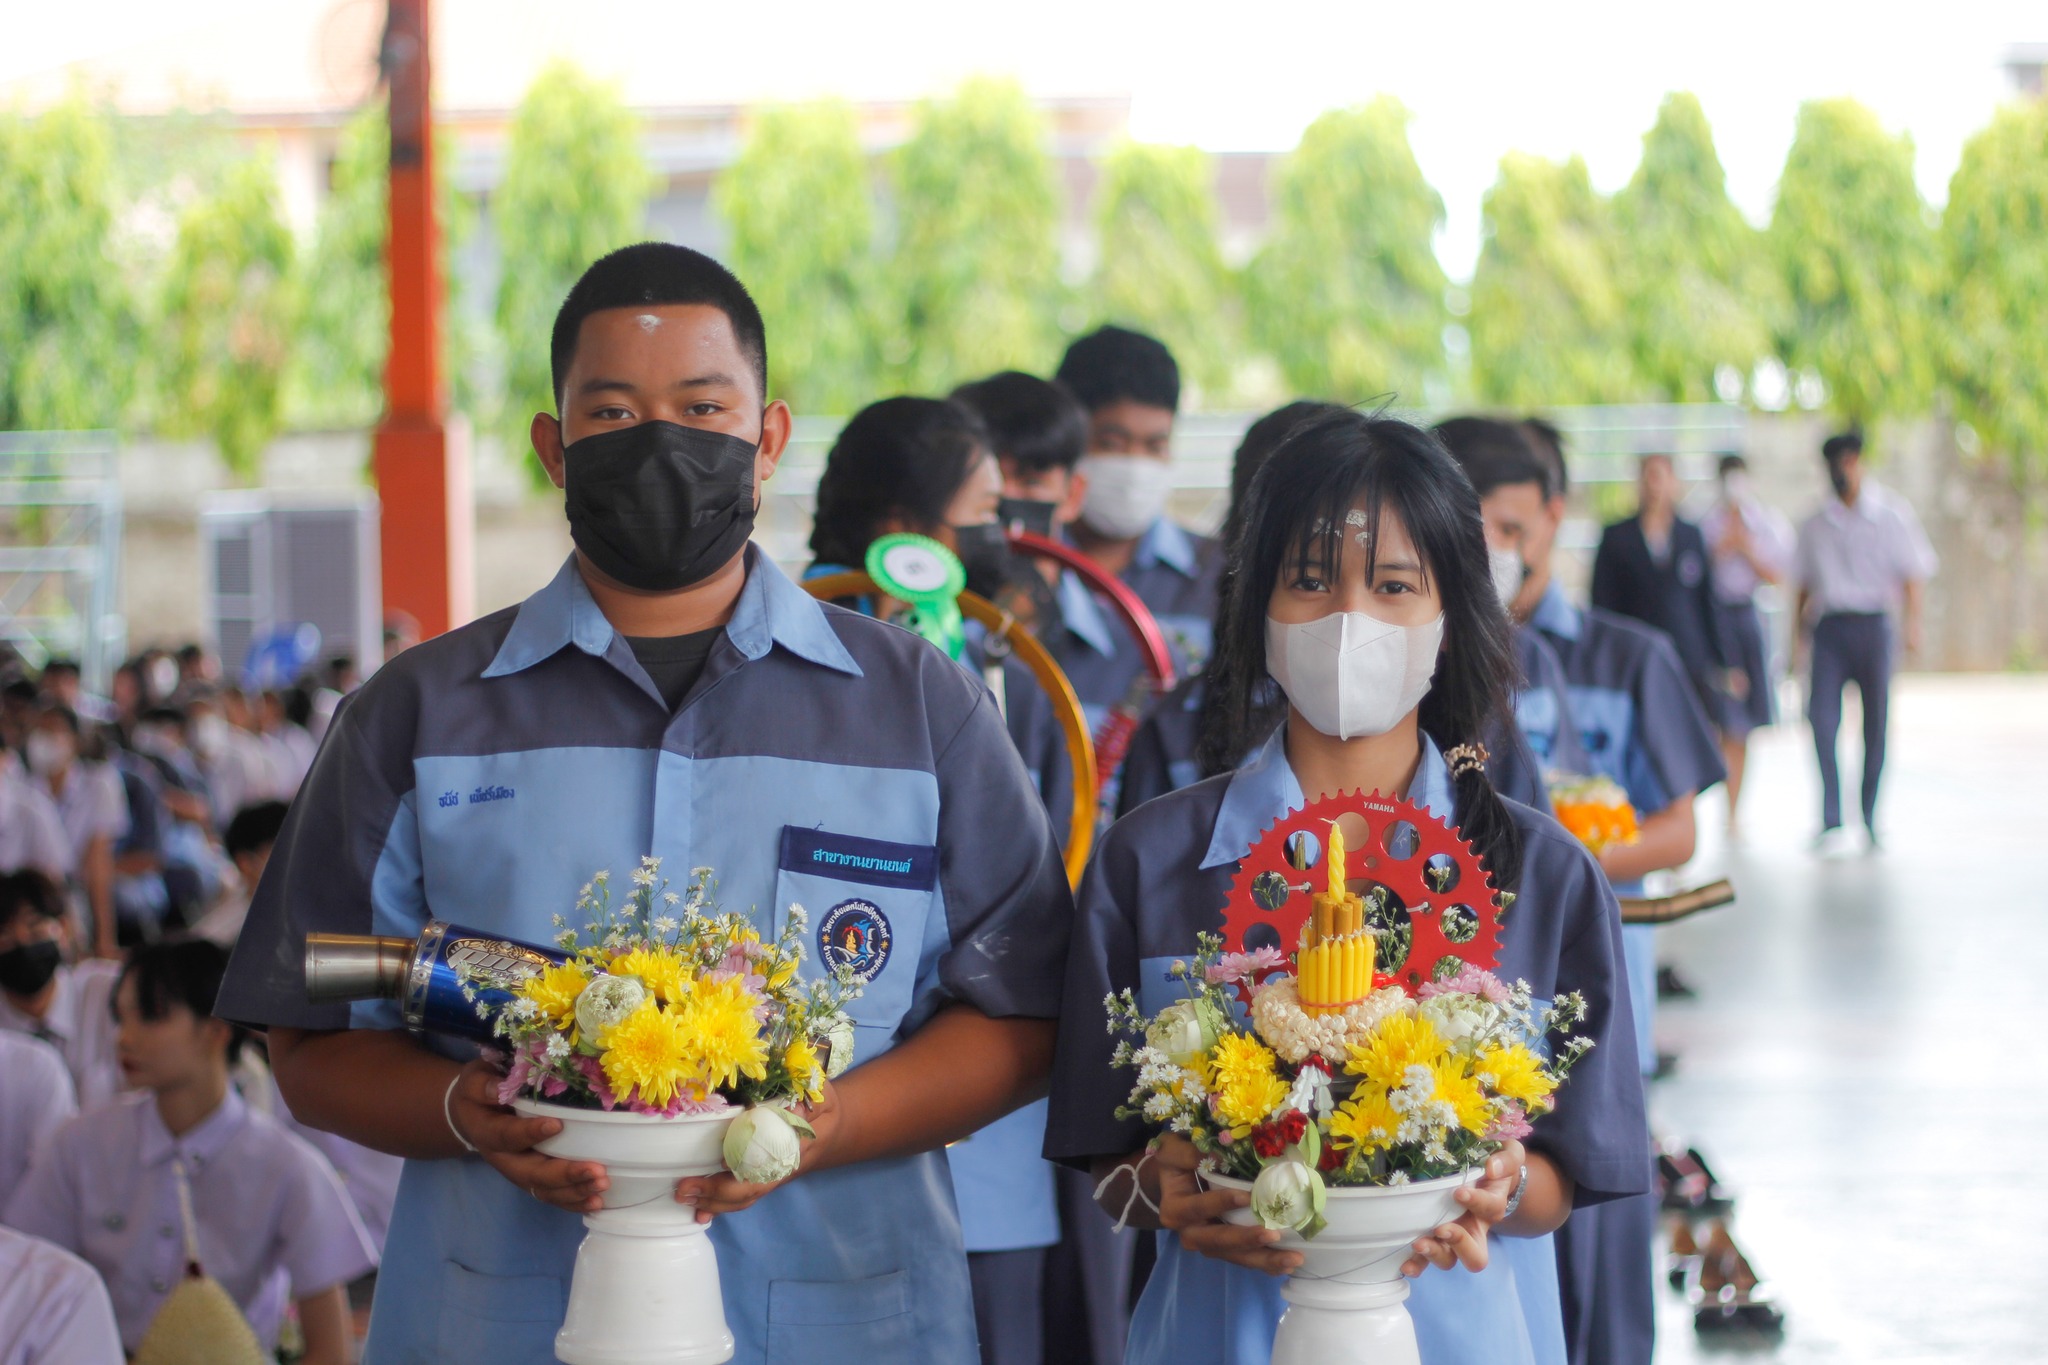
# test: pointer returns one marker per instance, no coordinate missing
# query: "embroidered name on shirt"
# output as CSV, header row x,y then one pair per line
x,y
845,857
491,794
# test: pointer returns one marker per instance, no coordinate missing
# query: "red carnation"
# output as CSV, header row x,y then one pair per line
x,y
1293,1124
1267,1142
1330,1160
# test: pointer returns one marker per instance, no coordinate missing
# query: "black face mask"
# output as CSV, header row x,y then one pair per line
x,y
1027,514
658,506
27,967
984,552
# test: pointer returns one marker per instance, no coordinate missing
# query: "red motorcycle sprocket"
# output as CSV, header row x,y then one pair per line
x,y
1451,920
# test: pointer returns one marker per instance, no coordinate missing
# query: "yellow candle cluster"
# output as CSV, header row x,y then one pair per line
x,y
1335,962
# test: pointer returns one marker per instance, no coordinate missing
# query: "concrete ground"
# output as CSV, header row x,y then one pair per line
x,y
1860,1065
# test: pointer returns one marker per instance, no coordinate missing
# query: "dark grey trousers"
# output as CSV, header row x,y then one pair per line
x,y
1850,648
1009,1305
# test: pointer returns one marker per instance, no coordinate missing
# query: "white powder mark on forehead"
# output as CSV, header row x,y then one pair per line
x,y
1356,517
648,322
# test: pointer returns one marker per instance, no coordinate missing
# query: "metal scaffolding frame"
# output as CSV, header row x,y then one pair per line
x,y
60,550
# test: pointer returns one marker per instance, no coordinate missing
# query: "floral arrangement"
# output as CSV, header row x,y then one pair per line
x,y
1390,1089
1595,809
665,1005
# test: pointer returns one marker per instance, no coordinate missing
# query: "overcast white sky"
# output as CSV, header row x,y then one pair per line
x,y
1482,77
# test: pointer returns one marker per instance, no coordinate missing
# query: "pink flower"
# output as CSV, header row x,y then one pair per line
x,y
593,1076
1470,980
1512,1123
1234,967
1223,1136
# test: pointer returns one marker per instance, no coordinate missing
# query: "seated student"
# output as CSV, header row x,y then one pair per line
x,y
924,466
67,1005
1640,724
1130,386
270,1220
53,1307
31,831
36,1097
93,807
1408,723
248,841
796,718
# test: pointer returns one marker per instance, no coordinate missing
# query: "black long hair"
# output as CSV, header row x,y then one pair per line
x,y
1295,512
900,457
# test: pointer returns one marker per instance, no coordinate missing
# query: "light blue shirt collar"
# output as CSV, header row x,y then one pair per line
x,y
1555,614
201,1141
1166,543
770,611
1082,614
1265,788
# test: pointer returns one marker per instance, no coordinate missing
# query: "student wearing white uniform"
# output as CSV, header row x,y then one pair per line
x,y
68,1006
93,807
31,831
53,1308
35,1100
1752,546
1862,557
270,1219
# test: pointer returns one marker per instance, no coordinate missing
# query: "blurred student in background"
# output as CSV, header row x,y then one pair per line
x,y
93,807
31,831
36,1097
271,1222
1752,545
53,1308
67,1004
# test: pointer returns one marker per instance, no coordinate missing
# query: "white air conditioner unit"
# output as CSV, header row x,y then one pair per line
x,y
282,559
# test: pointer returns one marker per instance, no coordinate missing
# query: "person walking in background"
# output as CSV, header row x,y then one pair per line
x,y
1751,543
1861,557
1654,567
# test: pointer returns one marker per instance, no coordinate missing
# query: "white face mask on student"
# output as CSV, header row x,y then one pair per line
x,y
1508,574
1126,493
1350,674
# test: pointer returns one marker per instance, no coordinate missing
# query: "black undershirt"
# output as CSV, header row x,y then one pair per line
x,y
674,662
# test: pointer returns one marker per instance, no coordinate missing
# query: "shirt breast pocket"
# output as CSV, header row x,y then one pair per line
x,y
868,902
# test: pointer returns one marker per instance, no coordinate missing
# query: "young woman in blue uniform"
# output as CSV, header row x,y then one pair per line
x,y
924,465
1371,518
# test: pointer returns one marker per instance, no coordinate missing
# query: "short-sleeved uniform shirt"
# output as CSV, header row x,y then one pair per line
x,y
483,776
53,1308
92,804
272,1221
1175,573
1161,876
31,832
80,1025
1859,559
36,1097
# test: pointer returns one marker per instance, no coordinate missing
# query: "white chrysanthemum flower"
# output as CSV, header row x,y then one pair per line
x,y
671,898
1158,1108
557,1047
698,873
602,878
643,876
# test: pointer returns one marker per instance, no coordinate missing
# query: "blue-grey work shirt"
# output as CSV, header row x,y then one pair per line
x,y
1175,573
813,729
1161,876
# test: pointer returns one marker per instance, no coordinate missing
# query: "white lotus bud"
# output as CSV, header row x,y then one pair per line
x,y
1284,1194
605,1003
1184,1030
761,1147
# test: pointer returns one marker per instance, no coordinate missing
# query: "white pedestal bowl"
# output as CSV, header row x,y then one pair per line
x,y
645,1290
1344,1304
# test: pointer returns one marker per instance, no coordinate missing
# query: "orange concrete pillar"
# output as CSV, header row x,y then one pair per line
x,y
422,479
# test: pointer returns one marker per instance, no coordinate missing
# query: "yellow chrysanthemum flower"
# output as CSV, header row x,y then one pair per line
x,y
800,1060
1242,1079
1399,1042
1366,1120
1456,1087
723,1032
665,972
555,990
649,1054
1518,1074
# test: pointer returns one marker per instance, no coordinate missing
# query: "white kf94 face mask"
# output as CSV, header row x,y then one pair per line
x,y
1126,493
1508,572
1350,674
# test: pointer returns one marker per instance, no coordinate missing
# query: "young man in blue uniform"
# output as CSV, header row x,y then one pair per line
x,y
672,693
1641,725
1130,386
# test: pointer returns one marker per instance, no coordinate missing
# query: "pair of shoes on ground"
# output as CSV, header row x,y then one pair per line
x,y
1724,1291
1838,841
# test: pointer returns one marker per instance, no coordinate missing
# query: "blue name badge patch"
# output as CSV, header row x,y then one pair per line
x,y
872,862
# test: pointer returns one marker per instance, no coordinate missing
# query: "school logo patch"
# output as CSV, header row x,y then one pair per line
x,y
855,934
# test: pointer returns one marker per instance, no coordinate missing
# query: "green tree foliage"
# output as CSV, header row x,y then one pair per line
x,y
336,376
227,316
1994,237
67,317
801,227
1692,271
1548,325
976,264
1159,268
1347,294
575,187
1852,243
